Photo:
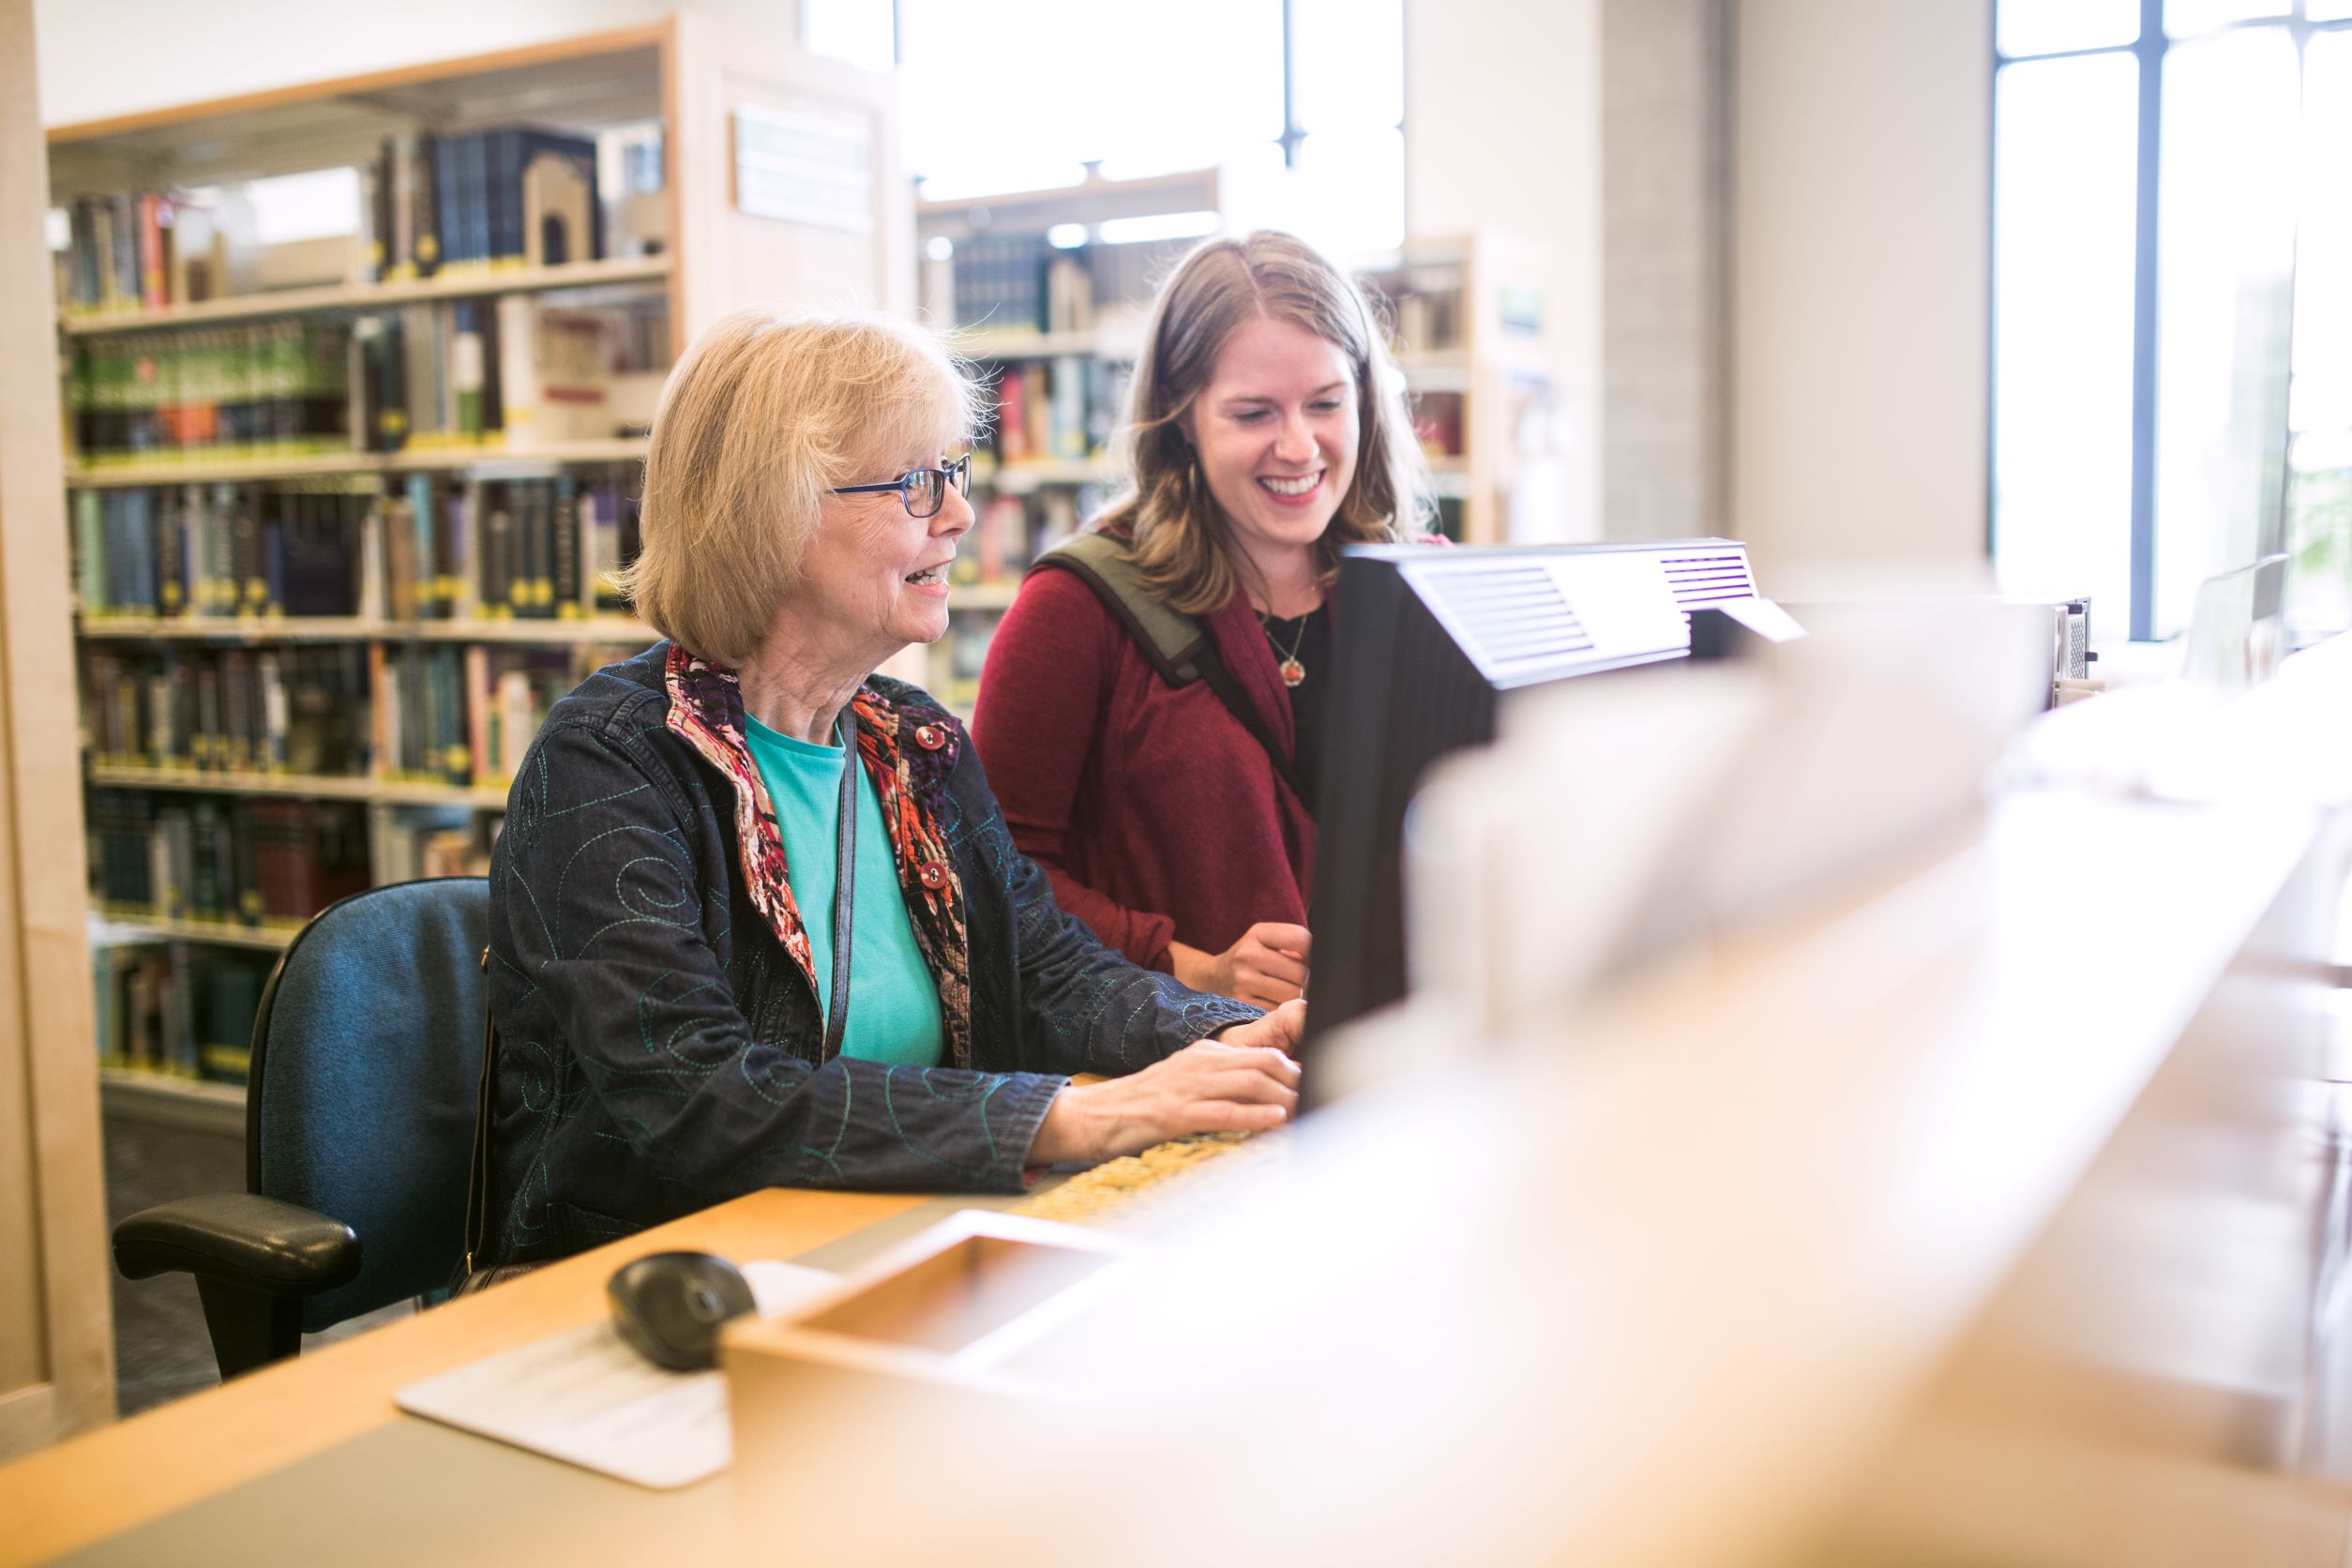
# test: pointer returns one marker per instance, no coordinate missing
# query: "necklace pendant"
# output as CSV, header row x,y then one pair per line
x,y
1293,672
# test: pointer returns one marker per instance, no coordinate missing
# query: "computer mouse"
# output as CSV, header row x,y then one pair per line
x,y
669,1305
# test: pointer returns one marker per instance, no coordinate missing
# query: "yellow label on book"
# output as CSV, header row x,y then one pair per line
x,y
226,1059
250,902
542,591
569,611
256,594
445,590
459,761
170,595
427,249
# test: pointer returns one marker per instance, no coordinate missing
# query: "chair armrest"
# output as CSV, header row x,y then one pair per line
x,y
239,1238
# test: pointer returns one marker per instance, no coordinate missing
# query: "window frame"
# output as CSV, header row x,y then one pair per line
x,y
2148,49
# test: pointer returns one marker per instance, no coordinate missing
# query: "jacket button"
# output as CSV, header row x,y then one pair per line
x,y
933,875
931,737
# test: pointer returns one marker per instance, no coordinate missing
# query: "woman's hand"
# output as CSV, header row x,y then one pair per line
x,y
1210,1086
1281,1028
1265,969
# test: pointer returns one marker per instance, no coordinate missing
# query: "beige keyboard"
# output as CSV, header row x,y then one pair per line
x,y
1122,1189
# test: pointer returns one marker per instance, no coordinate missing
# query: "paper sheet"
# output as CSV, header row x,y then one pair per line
x,y
585,1398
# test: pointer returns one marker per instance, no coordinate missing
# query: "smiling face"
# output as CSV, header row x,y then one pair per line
x,y
1275,428
875,579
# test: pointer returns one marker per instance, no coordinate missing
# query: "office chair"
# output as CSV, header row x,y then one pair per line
x,y
358,1121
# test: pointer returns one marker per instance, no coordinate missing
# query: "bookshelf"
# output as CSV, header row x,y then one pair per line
x,y
621,451
1470,336
1051,305
345,512
1053,314
368,297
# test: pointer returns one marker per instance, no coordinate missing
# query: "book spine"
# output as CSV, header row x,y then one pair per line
x,y
428,237
466,371
151,270
564,529
519,389
485,767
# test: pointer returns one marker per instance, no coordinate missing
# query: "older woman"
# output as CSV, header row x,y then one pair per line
x,y
755,917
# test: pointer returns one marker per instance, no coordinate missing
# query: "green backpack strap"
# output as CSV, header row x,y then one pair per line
x,y
1171,639
1176,644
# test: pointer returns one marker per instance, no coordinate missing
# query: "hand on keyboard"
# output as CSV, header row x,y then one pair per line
x,y
1210,1086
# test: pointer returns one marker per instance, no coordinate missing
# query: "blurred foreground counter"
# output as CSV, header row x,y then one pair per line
x,y
1811,1164
1989,1207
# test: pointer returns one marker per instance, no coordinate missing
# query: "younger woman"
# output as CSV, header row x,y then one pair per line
x,y
1175,816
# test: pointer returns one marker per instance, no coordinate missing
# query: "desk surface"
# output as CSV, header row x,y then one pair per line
x,y
330,1415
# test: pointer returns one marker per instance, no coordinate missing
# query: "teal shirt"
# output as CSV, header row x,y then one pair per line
x,y
894,1003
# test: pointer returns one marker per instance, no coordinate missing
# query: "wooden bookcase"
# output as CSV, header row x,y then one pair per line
x,y
1469,334
705,83
1057,478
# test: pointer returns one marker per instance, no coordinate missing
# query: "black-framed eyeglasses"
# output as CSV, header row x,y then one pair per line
x,y
923,490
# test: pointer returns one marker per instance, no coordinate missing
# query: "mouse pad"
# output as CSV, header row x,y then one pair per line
x,y
585,1398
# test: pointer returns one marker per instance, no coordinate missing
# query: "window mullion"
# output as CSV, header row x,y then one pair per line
x,y
2150,53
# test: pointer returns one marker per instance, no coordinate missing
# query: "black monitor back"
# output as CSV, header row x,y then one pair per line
x,y
1427,642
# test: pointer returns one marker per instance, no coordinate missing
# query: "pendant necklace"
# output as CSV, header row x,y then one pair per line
x,y
1293,670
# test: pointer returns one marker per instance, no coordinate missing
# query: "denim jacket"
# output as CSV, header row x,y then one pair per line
x,y
660,1046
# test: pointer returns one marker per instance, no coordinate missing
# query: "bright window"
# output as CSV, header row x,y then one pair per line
x,y
2173,303
1021,94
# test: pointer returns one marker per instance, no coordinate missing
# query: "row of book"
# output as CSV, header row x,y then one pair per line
x,y
438,713
235,393
1424,304
220,549
509,197
1062,409
235,862
246,866
296,710
434,842
516,373
432,549
992,281
178,1010
956,659
1437,423
147,249
1011,531
530,548
465,715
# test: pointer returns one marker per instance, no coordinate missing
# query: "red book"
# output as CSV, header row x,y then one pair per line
x,y
152,270
1012,418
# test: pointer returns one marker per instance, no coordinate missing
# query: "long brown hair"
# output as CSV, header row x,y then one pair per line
x,y
1179,535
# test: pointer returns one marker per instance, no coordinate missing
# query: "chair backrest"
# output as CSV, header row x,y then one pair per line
x,y
366,1054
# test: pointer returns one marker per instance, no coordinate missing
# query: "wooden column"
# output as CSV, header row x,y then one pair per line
x,y
57,1351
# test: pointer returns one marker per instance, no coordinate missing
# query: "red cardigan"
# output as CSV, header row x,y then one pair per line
x,y
1155,814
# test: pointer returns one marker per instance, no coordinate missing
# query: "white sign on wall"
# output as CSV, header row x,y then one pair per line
x,y
802,168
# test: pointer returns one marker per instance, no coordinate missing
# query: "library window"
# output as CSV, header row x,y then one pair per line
x,y
1304,101
2172,292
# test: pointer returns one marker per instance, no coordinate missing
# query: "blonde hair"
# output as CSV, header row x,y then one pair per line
x,y
763,416
1179,535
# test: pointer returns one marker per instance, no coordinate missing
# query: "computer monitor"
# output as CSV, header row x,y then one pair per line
x,y
1427,642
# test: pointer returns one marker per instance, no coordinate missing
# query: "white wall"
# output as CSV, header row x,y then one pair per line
x,y
1503,130
1861,165
100,58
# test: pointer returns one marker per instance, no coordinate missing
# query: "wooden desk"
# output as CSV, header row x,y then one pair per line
x,y
100,1485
